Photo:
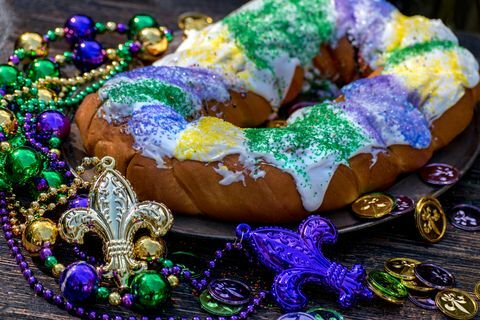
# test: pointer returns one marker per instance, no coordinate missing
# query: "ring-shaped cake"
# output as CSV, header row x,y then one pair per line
x,y
185,131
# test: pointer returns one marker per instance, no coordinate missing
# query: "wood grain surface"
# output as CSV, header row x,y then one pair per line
x,y
459,251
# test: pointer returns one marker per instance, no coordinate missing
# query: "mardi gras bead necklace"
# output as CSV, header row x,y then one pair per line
x,y
42,199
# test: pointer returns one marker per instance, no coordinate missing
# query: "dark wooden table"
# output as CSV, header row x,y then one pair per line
x,y
459,251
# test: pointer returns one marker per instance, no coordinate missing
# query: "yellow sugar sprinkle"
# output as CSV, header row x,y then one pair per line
x,y
208,139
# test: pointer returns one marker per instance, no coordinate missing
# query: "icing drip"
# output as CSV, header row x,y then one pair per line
x,y
311,148
229,177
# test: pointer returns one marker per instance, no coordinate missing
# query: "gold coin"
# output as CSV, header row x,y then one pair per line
x,y
383,296
402,268
456,304
416,285
373,205
430,219
193,21
477,290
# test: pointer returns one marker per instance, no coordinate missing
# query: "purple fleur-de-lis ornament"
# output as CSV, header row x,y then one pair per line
x,y
296,258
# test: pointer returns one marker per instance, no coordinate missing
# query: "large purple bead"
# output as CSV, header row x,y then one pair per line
x,y
80,201
88,54
79,27
53,123
79,281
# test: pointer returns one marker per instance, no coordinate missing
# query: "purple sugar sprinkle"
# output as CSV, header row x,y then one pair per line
x,y
386,108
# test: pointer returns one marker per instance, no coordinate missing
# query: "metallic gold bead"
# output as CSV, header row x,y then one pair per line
x,y
39,232
62,200
77,181
46,94
56,151
79,80
8,97
60,58
25,89
63,188
58,269
59,32
32,42
147,248
41,211
5,146
51,206
193,21
114,298
35,205
43,196
111,26
8,122
17,230
154,43
173,280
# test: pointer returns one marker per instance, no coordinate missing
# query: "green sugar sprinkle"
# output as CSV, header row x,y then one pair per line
x,y
155,91
400,55
320,133
267,29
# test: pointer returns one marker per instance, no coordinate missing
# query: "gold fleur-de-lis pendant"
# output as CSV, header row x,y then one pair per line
x,y
115,215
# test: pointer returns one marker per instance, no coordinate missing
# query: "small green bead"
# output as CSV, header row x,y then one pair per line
x,y
20,53
51,35
41,68
167,263
68,55
50,262
17,141
8,75
138,22
53,178
150,289
169,36
102,293
100,27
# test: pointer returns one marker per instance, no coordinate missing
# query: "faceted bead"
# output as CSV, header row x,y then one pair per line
x,y
79,281
138,22
41,68
22,164
79,27
150,289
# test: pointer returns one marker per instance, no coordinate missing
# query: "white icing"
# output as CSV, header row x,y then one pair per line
x,y
229,177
